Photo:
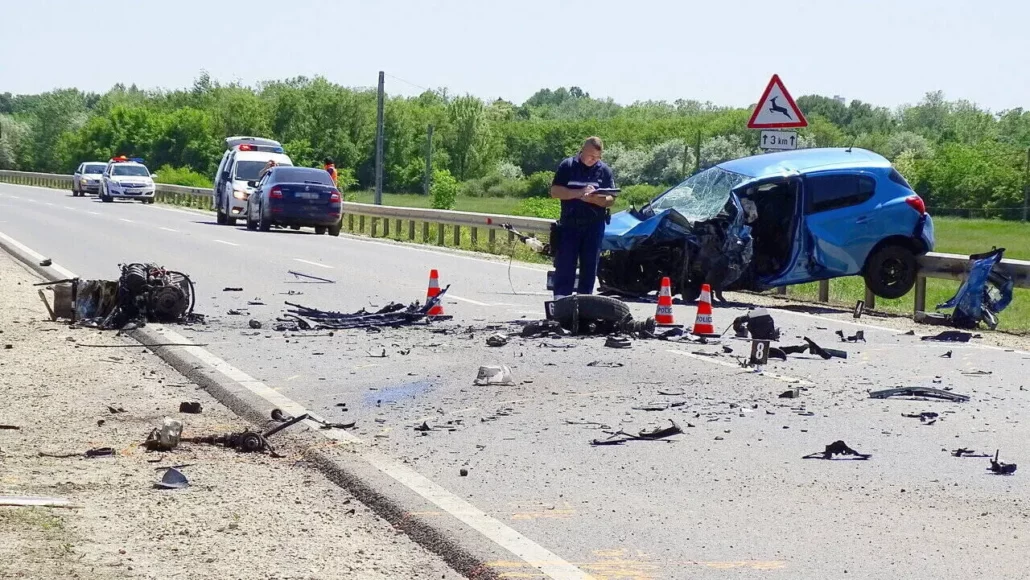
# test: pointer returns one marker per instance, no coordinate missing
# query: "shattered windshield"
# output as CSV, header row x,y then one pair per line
x,y
701,196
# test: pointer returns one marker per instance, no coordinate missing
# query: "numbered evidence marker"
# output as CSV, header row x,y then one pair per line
x,y
776,109
759,353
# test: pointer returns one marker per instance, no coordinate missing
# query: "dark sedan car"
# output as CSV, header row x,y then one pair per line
x,y
295,197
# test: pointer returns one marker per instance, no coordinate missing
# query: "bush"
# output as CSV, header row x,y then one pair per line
x,y
182,176
539,207
508,170
639,195
444,189
345,179
539,184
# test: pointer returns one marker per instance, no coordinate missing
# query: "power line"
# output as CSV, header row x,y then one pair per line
x,y
408,82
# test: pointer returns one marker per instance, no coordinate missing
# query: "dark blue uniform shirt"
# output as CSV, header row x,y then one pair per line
x,y
574,174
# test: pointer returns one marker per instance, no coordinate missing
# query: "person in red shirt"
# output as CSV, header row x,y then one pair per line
x,y
330,167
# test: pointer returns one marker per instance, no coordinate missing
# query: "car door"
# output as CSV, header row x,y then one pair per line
x,y
838,209
77,178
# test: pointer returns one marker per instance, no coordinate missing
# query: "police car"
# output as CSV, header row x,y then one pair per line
x,y
126,178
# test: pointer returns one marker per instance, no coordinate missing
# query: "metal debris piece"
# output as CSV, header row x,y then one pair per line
x,y
172,479
9,427
310,277
543,328
947,354
605,364
758,324
191,407
392,315
652,407
963,452
497,340
494,375
166,437
791,394
232,289
777,352
951,336
46,262
924,416
837,448
99,452
255,303
977,373
1000,468
859,336
657,434
424,427
617,342
671,392
463,472
255,324
825,353
919,392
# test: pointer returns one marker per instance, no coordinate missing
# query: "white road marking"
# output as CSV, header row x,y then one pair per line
x,y
125,220
415,248
226,243
469,300
48,203
94,212
835,321
713,360
167,229
314,263
69,207
36,255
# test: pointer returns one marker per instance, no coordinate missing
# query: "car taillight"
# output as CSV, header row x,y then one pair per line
x,y
335,197
915,202
275,193
245,148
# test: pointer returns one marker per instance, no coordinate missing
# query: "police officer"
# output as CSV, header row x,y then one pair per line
x,y
584,213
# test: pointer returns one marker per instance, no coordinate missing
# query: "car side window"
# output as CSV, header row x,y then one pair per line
x,y
829,192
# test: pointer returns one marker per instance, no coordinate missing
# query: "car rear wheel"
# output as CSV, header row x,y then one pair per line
x,y
319,230
890,272
335,230
251,224
263,224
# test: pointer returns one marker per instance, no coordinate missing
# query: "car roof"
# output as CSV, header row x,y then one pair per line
x,y
805,161
263,156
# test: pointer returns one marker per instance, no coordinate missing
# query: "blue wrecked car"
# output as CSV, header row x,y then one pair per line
x,y
771,220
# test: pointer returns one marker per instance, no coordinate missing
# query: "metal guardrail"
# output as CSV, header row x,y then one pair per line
x,y
933,265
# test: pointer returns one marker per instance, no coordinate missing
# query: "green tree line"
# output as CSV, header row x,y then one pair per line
x,y
954,153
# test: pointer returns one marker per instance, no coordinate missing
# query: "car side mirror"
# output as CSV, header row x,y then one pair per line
x,y
225,176
252,183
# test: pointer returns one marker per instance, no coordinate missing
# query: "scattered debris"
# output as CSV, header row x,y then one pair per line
x,y
910,333
543,328
791,394
255,324
590,314
757,323
380,355
255,303
310,277
166,437
977,373
926,417
9,427
859,336
172,479
232,289
825,353
984,293
192,408
618,342
728,350
463,472
951,336
658,434
947,354
963,452
494,375
99,452
671,392
837,448
424,427
607,365
497,340
1001,468
46,262
919,392
392,315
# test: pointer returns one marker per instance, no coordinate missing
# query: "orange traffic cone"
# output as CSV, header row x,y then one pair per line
x,y
434,290
663,314
703,323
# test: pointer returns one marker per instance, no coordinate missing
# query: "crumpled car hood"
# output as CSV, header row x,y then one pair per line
x,y
629,228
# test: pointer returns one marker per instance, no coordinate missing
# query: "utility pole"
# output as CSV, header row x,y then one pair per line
x,y
697,164
429,161
379,143
1026,186
686,151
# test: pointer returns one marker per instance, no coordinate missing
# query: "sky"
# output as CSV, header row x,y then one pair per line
x,y
882,52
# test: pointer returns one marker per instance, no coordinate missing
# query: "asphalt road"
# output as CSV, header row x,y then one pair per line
x,y
730,498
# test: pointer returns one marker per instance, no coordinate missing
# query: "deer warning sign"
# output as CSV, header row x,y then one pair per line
x,y
776,109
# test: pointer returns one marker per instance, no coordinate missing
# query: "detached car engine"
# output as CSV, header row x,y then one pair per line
x,y
143,293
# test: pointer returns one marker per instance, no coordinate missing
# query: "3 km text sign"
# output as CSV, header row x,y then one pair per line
x,y
776,109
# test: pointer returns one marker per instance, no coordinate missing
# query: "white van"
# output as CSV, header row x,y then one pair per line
x,y
243,159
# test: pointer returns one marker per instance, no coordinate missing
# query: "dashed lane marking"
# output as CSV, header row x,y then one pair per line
x,y
326,266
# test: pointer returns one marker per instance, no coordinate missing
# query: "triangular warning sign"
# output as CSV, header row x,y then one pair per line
x,y
776,109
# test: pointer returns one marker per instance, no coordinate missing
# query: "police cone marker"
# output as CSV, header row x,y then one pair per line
x,y
663,314
703,322
433,292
